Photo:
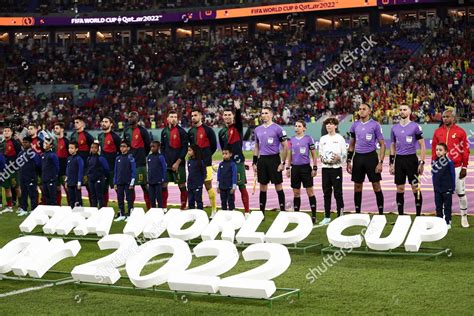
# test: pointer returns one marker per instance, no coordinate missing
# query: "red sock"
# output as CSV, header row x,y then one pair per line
x,y
58,197
164,192
245,199
106,197
9,201
184,199
146,196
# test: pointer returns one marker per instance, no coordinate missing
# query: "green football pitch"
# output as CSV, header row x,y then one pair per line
x,y
356,284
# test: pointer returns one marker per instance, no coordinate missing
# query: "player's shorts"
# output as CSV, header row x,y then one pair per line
x,y
301,175
267,169
208,173
241,176
365,164
406,166
141,176
11,182
178,177
460,183
85,180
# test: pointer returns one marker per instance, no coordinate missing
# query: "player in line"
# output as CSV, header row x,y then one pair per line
x,y
404,162
458,151
204,136
231,136
362,158
333,153
267,163
138,139
299,168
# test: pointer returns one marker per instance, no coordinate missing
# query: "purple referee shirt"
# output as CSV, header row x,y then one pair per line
x,y
366,135
406,137
269,139
300,149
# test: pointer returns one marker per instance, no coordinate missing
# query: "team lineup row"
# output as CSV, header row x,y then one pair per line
x,y
133,159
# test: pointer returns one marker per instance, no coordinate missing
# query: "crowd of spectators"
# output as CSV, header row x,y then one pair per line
x,y
427,69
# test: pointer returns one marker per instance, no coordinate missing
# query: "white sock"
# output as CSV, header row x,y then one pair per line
x,y
463,204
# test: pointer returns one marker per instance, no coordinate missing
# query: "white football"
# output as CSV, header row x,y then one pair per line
x,y
328,156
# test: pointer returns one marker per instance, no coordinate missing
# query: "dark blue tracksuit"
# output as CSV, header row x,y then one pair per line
x,y
74,175
97,172
156,176
227,180
124,177
444,185
29,178
49,176
196,176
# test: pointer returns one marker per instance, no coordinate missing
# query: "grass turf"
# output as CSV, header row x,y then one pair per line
x,y
356,284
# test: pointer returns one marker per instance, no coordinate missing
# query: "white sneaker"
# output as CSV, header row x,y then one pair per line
x,y
120,218
464,222
449,226
19,210
247,215
213,213
22,213
325,221
7,210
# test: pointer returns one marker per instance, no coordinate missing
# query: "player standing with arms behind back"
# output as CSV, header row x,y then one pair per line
x,y
458,151
365,133
300,148
403,159
139,140
267,163
174,146
204,136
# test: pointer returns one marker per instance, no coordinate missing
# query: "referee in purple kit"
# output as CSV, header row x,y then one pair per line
x,y
404,162
267,163
365,133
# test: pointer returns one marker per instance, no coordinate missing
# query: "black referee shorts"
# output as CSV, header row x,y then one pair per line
x,y
301,175
267,169
406,166
365,164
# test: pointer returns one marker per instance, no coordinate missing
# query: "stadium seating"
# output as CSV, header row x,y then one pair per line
x,y
428,69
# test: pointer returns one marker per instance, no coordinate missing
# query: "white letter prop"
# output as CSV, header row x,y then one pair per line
x,y
69,222
16,248
205,278
425,229
104,270
200,222
257,283
137,221
99,223
157,224
276,233
335,229
248,233
44,256
226,222
64,213
40,216
396,237
180,260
